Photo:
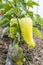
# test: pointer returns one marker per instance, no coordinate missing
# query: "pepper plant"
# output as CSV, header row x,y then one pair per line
x,y
19,22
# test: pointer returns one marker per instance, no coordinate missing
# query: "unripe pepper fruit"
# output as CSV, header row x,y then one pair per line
x,y
13,29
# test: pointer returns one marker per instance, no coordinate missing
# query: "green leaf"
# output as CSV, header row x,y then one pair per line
x,y
7,7
0,0
30,14
4,21
37,32
6,29
34,20
42,21
35,3
39,19
29,4
26,1
12,11
30,0
1,5
32,3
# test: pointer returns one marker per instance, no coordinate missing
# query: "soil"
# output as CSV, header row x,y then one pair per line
x,y
33,57
4,44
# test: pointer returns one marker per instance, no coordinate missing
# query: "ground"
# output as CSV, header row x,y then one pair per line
x,y
33,57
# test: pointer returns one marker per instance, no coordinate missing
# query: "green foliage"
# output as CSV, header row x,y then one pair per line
x,y
0,0
37,32
1,5
39,19
7,6
12,11
16,7
30,14
6,30
31,4
4,21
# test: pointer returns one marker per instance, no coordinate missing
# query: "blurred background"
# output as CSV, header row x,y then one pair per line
x,y
39,9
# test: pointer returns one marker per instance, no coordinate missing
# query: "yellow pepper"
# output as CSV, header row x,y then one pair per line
x,y
26,26
12,28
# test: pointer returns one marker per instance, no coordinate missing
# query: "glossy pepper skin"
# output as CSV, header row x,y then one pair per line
x,y
13,29
26,26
